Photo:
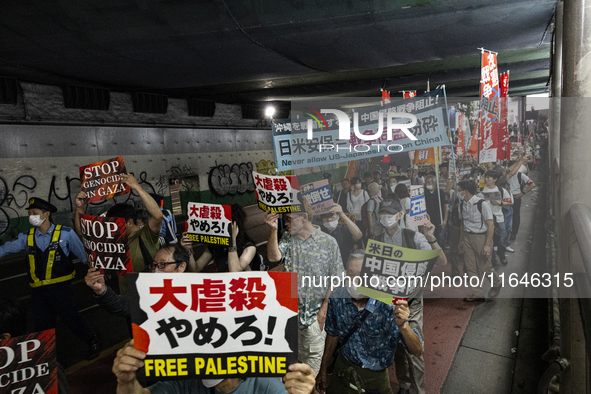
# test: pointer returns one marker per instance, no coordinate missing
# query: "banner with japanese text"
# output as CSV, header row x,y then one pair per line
x,y
105,243
319,195
398,272
278,194
418,206
28,364
489,108
102,180
460,148
310,138
209,223
425,156
474,140
504,143
215,326
409,94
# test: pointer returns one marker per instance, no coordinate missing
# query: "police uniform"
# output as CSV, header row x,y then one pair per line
x,y
50,269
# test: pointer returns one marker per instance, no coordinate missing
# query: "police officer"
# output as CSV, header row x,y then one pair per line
x,y
51,270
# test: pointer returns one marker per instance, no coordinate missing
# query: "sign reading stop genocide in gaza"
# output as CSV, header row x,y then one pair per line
x,y
209,223
102,180
105,243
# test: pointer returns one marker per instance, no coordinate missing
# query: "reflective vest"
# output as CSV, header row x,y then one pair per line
x,y
41,263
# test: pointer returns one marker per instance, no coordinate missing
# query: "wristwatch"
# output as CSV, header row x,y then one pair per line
x,y
432,243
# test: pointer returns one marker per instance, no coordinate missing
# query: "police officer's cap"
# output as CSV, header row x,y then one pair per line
x,y
35,202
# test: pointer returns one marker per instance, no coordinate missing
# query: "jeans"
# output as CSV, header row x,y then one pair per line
x,y
439,234
500,245
516,215
508,225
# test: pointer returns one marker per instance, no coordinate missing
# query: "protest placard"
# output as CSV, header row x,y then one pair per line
x,y
398,272
215,326
209,223
278,194
102,180
418,206
28,364
105,243
464,172
319,195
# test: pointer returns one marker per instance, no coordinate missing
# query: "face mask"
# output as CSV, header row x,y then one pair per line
x,y
393,187
211,382
35,220
429,187
462,195
331,225
388,221
353,292
157,271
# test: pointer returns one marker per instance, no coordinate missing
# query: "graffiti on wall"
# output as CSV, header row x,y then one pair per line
x,y
185,175
268,167
229,180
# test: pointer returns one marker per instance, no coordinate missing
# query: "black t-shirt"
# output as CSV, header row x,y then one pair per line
x,y
344,240
433,200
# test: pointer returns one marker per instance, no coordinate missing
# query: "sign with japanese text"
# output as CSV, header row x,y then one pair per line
x,y
105,243
398,272
319,195
215,326
409,94
425,156
460,147
312,139
503,152
209,223
489,108
28,364
102,180
418,206
278,194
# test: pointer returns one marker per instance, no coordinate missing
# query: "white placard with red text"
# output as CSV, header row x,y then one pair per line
x,y
209,223
278,194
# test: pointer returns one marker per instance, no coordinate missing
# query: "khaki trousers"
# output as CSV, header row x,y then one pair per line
x,y
478,265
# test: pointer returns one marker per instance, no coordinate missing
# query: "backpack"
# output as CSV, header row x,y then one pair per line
x,y
365,214
479,206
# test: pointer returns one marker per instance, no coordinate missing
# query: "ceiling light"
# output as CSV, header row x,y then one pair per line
x,y
270,111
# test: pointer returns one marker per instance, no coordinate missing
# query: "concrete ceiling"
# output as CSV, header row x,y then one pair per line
x,y
261,50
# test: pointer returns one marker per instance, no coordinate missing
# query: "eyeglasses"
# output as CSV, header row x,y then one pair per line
x,y
289,219
162,265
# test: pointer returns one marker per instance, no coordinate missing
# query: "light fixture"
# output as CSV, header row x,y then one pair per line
x,y
269,111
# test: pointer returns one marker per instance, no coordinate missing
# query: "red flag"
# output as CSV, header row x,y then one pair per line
x,y
504,151
489,108
460,146
519,136
531,134
473,151
385,97
409,94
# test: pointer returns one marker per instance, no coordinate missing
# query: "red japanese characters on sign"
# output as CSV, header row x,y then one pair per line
x,y
489,107
278,194
209,223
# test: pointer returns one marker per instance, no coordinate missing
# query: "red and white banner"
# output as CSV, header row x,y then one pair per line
x,y
460,123
278,194
209,223
385,97
473,151
504,151
489,108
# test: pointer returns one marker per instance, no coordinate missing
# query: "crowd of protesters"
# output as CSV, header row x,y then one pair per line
x,y
346,341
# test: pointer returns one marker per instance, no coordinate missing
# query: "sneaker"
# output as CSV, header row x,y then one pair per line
x,y
495,248
504,261
509,249
494,291
94,347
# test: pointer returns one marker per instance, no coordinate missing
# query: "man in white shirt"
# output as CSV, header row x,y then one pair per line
x,y
476,239
498,198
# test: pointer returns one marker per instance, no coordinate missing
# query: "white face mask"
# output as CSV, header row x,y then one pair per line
x,y
393,187
429,187
462,195
331,225
388,221
211,382
353,292
35,220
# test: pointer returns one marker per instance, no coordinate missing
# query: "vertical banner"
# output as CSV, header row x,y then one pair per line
x,y
418,206
504,151
105,243
460,145
398,271
278,194
385,97
319,195
215,326
489,108
209,223
474,141
102,180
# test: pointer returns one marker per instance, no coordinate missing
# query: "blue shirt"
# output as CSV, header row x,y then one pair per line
x,y
313,259
373,345
69,242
